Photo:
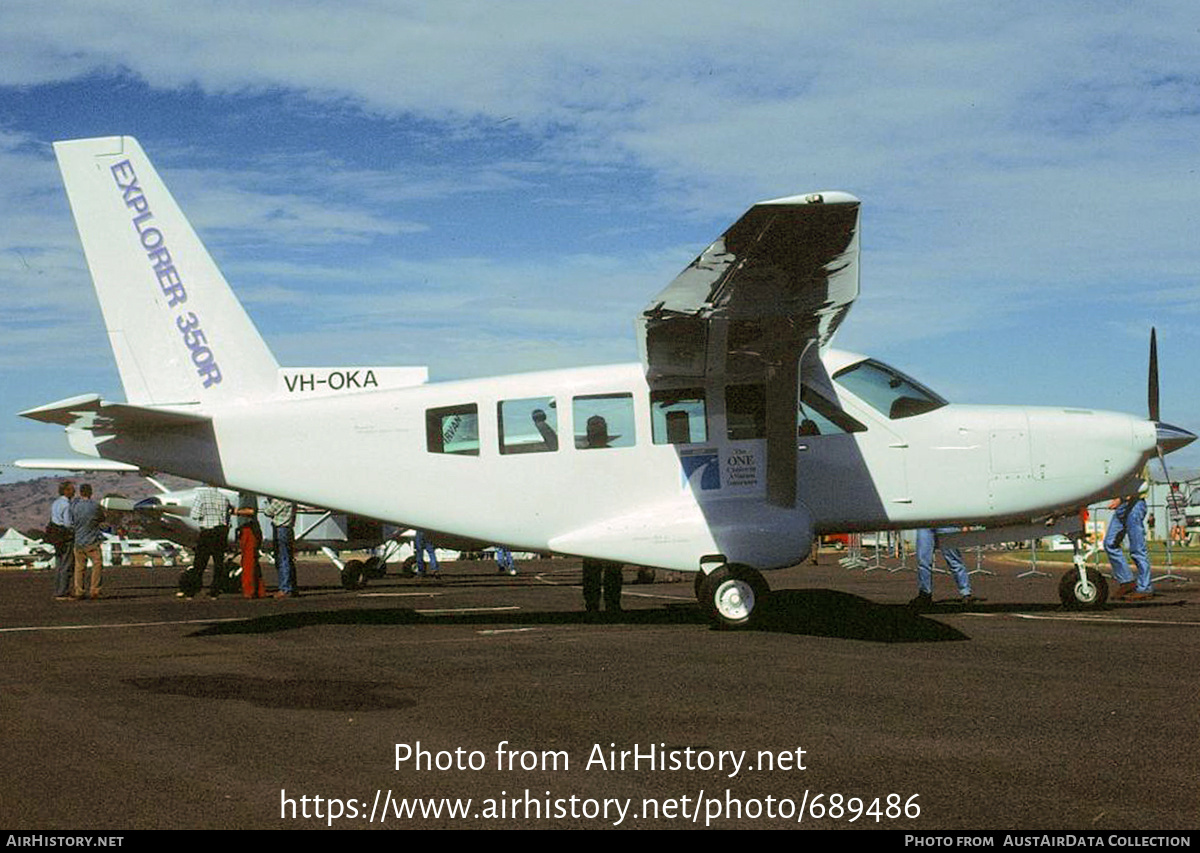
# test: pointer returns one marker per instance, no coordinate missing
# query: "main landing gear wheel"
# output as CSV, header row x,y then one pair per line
x,y
1075,594
733,594
374,568
189,583
352,575
231,581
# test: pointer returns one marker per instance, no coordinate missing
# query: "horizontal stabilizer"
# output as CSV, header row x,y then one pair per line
x,y
88,411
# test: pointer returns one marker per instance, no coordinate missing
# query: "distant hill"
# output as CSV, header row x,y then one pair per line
x,y
26,505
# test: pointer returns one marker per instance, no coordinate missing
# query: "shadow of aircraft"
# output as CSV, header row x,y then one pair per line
x,y
814,612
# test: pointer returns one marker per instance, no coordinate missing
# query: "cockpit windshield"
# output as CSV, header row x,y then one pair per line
x,y
888,390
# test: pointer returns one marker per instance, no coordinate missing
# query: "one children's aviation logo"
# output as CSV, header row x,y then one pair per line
x,y
701,470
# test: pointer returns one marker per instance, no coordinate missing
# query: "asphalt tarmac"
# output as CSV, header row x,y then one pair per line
x,y
358,709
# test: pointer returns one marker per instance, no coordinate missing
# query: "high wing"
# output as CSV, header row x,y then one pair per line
x,y
783,275
758,306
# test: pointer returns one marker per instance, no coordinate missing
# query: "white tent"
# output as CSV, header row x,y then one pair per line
x,y
14,544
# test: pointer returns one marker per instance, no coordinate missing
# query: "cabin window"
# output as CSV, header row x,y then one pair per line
x,y
529,425
453,429
746,411
888,390
677,416
604,420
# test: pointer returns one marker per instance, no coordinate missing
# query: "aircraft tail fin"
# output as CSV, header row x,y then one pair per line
x,y
178,333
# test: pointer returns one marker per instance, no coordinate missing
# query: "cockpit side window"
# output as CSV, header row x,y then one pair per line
x,y
888,390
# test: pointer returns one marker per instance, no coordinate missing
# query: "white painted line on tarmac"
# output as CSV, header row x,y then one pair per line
x,y
658,595
119,625
541,578
399,594
549,582
467,610
506,631
1101,620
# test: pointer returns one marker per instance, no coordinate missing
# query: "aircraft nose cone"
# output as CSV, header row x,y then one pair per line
x,y
1172,437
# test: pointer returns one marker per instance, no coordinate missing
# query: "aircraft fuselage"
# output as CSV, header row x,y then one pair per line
x,y
469,457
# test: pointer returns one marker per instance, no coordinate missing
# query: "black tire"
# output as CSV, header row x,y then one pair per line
x,y
352,575
231,581
409,567
698,585
1071,595
374,568
189,584
734,595
645,574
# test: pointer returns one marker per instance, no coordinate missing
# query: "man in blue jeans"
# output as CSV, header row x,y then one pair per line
x,y
423,548
927,541
61,534
283,518
1129,518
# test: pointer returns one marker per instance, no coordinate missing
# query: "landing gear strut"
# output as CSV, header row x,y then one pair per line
x,y
1083,586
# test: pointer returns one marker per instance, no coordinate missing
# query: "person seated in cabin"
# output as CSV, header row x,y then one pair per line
x,y
597,433
549,436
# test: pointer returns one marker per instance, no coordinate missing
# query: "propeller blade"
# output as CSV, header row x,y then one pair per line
x,y
1153,381
1168,437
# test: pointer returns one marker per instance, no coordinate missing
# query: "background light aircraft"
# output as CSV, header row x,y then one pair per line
x,y
116,549
738,436
167,516
18,549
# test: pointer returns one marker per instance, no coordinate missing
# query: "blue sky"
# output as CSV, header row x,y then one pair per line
x,y
493,187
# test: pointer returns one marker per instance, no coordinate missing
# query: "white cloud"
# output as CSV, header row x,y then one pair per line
x,y
1014,160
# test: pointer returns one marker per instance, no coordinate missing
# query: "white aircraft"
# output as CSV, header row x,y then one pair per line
x,y
18,549
738,436
116,549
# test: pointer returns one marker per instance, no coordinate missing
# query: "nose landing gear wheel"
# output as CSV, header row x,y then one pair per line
x,y
1074,593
